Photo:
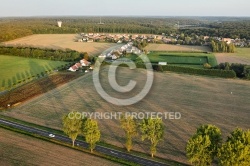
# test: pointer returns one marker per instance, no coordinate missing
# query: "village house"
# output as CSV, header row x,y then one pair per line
x,y
84,62
73,68
227,40
78,65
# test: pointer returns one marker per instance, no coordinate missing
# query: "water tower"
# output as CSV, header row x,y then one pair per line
x,y
59,23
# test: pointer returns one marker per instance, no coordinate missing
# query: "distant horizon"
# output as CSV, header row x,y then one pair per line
x,y
55,8
170,16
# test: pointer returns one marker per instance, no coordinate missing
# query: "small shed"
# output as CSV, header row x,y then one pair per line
x,y
162,63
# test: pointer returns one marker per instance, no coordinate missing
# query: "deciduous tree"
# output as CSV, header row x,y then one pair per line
x,y
91,133
128,124
72,125
203,146
236,150
153,130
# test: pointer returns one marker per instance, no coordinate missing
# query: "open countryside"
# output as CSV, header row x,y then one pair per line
x,y
199,99
60,41
64,41
137,83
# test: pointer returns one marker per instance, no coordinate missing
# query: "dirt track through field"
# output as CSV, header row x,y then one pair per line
x,y
200,100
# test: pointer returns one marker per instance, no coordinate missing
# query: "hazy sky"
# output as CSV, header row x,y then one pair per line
x,y
125,7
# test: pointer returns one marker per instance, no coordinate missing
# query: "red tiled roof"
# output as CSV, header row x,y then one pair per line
x,y
74,67
78,65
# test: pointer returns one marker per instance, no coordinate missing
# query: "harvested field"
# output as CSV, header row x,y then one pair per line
x,y
178,48
35,88
242,56
19,149
200,100
231,58
61,41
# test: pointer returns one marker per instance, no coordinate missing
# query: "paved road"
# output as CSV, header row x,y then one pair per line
x,y
100,149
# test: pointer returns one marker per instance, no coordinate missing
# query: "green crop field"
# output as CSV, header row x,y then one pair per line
x,y
182,58
14,69
175,58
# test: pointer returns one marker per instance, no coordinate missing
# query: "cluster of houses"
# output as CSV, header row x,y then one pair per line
x,y
236,42
167,39
119,38
116,53
77,66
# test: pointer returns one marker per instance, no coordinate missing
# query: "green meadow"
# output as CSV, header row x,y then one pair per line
x,y
15,69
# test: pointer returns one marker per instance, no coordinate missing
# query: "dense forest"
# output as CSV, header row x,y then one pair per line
x,y
229,29
12,28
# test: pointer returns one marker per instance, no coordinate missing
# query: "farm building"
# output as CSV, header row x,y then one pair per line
x,y
84,62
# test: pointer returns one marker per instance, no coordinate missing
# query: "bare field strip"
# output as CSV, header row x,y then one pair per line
x,y
200,100
61,41
19,149
231,58
242,55
179,48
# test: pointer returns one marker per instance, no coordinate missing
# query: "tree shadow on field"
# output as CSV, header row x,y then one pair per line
x,y
23,75
44,85
92,105
18,76
3,83
9,83
27,73
14,80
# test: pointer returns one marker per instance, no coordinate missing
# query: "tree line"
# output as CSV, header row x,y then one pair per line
x,y
222,47
238,28
50,54
150,129
241,70
206,145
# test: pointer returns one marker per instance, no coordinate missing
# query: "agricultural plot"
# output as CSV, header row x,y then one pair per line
x,y
177,48
242,55
15,69
200,100
19,149
192,59
61,41
35,88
